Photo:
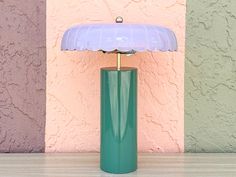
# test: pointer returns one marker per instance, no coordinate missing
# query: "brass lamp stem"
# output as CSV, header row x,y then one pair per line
x,y
118,61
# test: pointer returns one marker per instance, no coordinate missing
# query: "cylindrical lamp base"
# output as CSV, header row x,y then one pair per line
x,y
118,120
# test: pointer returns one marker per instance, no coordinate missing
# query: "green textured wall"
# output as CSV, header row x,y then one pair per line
x,y
210,76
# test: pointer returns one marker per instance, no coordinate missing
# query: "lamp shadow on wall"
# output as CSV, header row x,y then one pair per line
x,y
22,76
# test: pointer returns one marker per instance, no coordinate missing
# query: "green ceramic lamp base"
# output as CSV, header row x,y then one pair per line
x,y
118,120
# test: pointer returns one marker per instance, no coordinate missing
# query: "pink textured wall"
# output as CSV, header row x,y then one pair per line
x,y
22,75
73,87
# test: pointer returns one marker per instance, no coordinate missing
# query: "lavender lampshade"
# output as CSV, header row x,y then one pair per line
x,y
119,37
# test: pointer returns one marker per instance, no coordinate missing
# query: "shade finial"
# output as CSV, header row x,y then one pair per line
x,y
119,19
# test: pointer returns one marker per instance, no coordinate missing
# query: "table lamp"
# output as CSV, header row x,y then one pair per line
x,y
118,149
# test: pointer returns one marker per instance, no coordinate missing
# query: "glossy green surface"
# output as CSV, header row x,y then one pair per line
x,y
118,120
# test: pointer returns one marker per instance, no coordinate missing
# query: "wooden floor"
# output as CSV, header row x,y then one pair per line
x,y
87,165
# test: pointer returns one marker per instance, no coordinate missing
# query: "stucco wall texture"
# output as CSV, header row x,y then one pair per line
x,y
22,75
210,76
73,83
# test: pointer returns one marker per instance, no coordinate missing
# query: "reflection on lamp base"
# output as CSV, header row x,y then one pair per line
x,y
118,120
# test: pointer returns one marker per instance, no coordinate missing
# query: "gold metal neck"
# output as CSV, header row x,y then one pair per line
x,y
118,61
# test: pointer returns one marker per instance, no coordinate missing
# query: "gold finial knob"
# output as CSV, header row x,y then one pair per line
x,y
119,19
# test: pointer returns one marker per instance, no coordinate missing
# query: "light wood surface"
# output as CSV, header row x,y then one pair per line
x,y
87,165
